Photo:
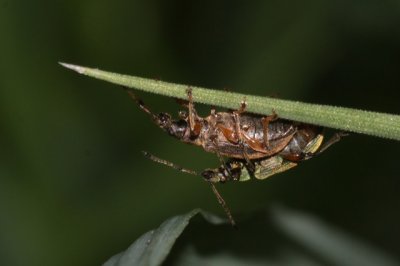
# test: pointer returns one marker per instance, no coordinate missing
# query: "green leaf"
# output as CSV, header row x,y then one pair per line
x,y
346,119
277,237
153,247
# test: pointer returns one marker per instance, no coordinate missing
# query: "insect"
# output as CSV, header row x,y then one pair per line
x,y
303,146
297,150
258,146
232,134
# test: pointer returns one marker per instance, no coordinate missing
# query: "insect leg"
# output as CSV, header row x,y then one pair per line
x,y
236,116
243,106
335,138
193,119
214,139
312,153
192,112
265,122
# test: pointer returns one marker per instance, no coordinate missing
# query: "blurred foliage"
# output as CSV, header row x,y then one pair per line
x,y
74,188
277,237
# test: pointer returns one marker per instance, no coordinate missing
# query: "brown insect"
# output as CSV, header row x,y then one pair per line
x,y
305,144
232,134
258,146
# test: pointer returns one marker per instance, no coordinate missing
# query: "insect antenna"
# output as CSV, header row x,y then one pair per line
x,y
221,201
140,103
168,163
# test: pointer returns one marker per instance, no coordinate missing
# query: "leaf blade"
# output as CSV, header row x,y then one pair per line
x,y
153,247
342,118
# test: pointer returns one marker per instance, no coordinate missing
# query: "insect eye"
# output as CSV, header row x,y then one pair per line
x,y
210,176
207,174
164,118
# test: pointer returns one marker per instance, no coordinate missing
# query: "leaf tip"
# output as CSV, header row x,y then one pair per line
x,y
79,69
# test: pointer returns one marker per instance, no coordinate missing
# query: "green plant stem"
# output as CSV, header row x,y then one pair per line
x,y
346,119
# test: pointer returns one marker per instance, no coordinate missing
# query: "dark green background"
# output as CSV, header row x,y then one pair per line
x,y
74,187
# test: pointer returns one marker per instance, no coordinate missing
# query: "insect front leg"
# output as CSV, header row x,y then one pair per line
x,y
193,118
238,131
